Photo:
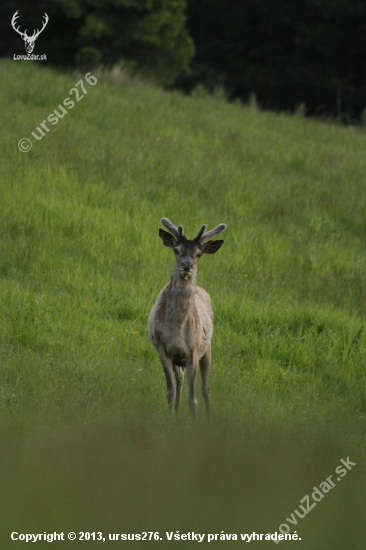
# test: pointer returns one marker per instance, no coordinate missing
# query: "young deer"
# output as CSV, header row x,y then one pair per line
x,y
181,321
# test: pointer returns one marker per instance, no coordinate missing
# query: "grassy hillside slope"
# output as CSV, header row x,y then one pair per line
x,y
81,264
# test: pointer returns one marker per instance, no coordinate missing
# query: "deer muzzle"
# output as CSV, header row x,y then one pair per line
x,y
186,270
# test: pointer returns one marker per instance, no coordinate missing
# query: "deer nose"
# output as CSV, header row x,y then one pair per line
x,y
187,266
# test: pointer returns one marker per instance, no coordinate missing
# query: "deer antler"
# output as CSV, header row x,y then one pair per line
x,y
177,232
210,234
13,21
200,232
37,33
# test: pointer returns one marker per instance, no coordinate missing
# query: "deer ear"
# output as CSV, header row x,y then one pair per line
x,y
211,247
167,238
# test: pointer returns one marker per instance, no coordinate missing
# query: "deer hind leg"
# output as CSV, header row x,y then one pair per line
x,y
205,364
192,368
168,371
179,376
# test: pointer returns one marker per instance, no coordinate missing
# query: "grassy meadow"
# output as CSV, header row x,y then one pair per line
x,y
87,442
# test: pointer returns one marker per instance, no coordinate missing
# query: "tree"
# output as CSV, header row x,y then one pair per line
x,y
149,34
286,51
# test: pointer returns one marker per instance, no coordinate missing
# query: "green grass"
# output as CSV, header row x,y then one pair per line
x,y
82,394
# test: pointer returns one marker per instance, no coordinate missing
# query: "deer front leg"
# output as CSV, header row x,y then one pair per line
x,y
205,364
192,375
168,371
179,376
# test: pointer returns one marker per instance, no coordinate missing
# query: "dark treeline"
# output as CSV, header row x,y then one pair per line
x,y
287,52
147,34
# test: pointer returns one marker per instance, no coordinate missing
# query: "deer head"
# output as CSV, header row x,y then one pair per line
x,y
28,40
188,252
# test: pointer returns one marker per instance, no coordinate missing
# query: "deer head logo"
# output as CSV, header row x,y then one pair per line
x,y
28,40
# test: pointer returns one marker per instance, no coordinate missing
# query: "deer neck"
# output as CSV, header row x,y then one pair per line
x,y
181,295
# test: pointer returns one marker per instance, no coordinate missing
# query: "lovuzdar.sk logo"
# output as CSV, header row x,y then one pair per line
x,y
29,41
